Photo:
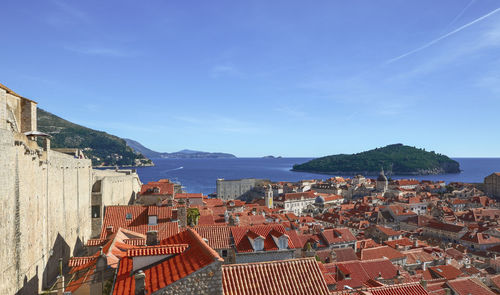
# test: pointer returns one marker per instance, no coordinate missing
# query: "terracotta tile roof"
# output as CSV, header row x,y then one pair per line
x,y
361,272
445,271
480,238
117,217
495,280
189,196
298,196
338,235
219,237
295,276
444,226
400,289
294,237
161,187
404,242
388,231
135,242
114,249
157,250
96,242
197,256
381,252
329,278
78,261
242,244
417,256
469,286
247,220
345,254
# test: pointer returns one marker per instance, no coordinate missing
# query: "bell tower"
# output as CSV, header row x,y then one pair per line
x,y
269,197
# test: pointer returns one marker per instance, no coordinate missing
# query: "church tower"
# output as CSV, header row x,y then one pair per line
x,y
269,197
382,182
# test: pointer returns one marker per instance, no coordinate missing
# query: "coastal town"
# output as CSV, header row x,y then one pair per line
x,y
67,228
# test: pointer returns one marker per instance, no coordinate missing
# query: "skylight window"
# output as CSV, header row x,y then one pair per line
x,y
128,216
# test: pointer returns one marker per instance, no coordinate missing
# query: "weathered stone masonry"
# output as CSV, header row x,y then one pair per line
x,y
45,202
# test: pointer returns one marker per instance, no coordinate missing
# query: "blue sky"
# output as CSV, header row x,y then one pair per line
x,y
256,78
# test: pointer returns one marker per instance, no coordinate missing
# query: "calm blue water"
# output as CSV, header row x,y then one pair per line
x,y
199,175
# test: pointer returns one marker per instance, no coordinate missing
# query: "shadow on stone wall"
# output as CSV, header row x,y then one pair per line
x,y
79,248
29,286
62,250
132,199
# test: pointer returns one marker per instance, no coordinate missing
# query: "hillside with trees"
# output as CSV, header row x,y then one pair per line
x,y
102,148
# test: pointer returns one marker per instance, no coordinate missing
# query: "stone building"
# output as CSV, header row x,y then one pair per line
x,y
233,189
492,185
111,187
45,200
382,182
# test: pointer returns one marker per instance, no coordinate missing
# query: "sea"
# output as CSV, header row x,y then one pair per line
x,y
200,175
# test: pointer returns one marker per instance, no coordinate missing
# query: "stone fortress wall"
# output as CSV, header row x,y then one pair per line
x,y
45,200
112,187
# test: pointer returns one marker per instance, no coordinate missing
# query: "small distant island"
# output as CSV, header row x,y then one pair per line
x,y
396,159
271,157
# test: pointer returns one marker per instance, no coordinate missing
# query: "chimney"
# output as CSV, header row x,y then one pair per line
x,y
152,238
182,213
140,283
109,230
102,261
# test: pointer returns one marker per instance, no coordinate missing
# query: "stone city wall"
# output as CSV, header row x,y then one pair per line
x,y
45,202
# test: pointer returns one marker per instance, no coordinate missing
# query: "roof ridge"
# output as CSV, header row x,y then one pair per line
x,y
271,262
204,245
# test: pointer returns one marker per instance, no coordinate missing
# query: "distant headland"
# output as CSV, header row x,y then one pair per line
x,y
183,154
395,158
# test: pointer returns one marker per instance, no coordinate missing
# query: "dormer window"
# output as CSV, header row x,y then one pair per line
x,y
258,244
283,242
156,190
152,220
256,240
128,216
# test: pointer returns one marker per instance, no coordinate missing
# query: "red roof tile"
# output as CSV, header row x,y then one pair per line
x,y
469,286
157,250
161,187
117,217
445,271
197,256
242,243
401,289
295,276
381,252
338,235
219,237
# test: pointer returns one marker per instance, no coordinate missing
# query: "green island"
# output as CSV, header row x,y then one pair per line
x,y
102,148
394,158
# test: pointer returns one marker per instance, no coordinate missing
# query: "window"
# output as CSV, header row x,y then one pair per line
x,y
128,216
96,211
258,244
152,220
224,253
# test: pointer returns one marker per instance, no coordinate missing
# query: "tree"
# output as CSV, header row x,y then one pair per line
x,y
192,216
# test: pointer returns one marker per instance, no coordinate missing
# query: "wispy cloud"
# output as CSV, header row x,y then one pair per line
x,y
99,51
293,112
66,14
428,44
224,70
